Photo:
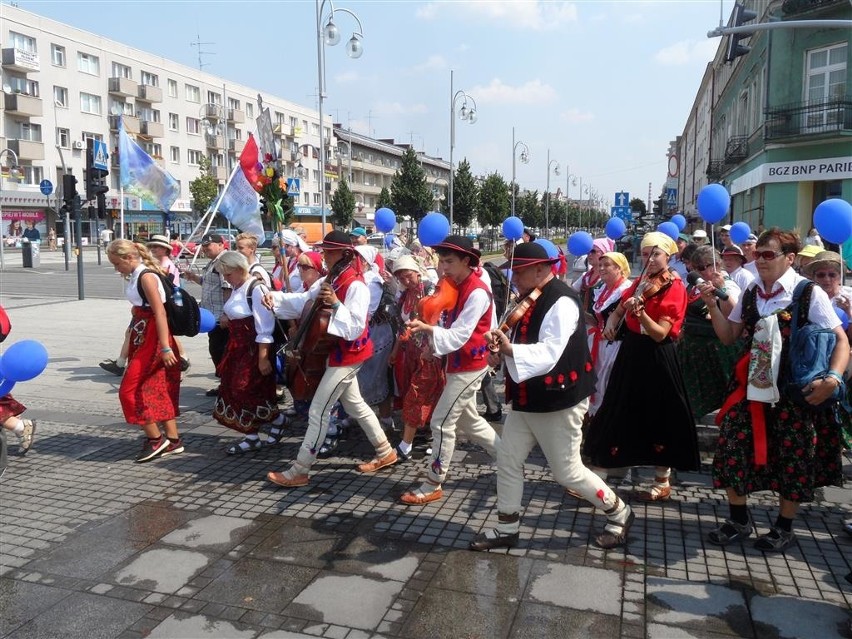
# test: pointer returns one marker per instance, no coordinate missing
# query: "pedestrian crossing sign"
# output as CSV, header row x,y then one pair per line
x,y
294,186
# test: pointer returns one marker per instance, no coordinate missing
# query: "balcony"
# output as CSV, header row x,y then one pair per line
x,y
124,87
799,7
236,116
219,172
153,129
147,93
131,123
236,146
23,105
736,150
715,169
20,60
808,119
212,112
214,141
26,149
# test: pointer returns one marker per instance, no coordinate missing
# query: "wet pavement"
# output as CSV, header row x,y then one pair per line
x,y
200,545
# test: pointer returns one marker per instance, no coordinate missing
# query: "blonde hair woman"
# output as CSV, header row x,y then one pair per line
x,y
150,387
247,245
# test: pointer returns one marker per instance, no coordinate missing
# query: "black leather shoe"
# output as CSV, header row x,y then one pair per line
x,y
492,417
484,541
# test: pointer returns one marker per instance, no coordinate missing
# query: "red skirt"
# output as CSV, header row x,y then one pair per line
x,y
149,391
420,380
10,407
246,398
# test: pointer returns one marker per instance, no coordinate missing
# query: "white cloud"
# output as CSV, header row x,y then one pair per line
x,y
532,92
576,116
537,15
434,62
687,52
397,108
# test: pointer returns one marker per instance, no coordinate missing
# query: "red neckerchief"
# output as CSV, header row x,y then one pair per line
x,y
768,296
605,294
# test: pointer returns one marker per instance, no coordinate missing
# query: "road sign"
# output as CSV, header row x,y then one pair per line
x,y
99,156
623,212
46,187
294,186
622,199
671,197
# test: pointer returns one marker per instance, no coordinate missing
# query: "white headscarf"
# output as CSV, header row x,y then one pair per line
x,y
290,238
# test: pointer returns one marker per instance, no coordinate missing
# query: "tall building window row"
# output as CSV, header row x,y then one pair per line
x,y
87,63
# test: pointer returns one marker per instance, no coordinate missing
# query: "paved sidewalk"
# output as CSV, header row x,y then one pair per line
x,y
200,545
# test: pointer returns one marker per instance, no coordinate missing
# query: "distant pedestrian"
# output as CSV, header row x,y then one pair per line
x,y
51,239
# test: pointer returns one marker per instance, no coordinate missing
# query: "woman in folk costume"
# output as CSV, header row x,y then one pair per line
x,y
645,418
590,281
768,441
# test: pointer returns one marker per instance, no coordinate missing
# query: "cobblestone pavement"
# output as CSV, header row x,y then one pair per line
x,y
200,545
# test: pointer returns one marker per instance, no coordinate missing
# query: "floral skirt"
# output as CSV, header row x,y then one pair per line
x,y
420,380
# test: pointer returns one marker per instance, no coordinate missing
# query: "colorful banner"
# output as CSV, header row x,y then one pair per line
x,y
238,204
143,177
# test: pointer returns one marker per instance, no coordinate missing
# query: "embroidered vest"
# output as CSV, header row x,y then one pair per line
x,y
473,356
350,353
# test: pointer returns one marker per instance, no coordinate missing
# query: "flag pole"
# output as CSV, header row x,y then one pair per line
x,y
211,214
121,209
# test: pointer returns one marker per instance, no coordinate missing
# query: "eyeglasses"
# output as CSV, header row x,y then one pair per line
x,y
830,274
767,255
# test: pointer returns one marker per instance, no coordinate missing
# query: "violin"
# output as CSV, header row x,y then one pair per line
x,y
652,285
513,315
430,307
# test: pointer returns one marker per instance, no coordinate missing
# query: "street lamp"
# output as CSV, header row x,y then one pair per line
x,y
14,172
468,114
524,157
570,179
330,35
555,165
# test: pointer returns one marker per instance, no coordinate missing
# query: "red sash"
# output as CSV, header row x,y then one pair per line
x,y
756,409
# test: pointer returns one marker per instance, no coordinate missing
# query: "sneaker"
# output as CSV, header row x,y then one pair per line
x,y
492,417
401,456
776,540
27,435
111,366
151,448
730,532
174,448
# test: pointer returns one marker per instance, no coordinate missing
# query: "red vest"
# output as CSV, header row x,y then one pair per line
x,y
350,353
473,356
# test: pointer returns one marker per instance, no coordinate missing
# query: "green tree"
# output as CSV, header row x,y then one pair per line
x,y
493,204
343,205
410,193
465,194
529,209
384,200
204,188
638,207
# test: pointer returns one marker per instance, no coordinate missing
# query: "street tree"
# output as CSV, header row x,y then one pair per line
x,y
205,188
527,208
638,207
410,193
493,205
384,200
343,205
465,194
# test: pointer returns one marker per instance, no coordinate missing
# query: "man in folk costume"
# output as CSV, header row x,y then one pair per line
x,y
549,379
462,341
349,299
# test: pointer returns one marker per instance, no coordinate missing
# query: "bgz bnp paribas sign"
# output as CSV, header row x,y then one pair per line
x,y
796,171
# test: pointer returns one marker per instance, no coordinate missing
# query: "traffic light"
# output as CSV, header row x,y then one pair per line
x,y
69,193
657,207
101,205
95,178
739,17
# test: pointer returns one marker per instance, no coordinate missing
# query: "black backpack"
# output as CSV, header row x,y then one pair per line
x,y
499,287
182,310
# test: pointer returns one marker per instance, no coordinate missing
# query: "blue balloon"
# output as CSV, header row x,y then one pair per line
x,y
670,229
433,228
23,361
713,203
550,247
6,386
833,220
615,228
844,319
580,243
208,322
385,220
513,228
740,232
678,221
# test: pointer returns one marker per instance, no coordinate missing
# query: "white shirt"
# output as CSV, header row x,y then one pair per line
x,y
132,290
751,267
236,307
449,340
347,321
257,271
742,277
375,284
532,360
820,312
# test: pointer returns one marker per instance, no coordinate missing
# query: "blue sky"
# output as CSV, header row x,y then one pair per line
x,y
604,85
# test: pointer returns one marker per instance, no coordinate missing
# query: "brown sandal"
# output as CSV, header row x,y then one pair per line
x,y
281,479
417,497
659,492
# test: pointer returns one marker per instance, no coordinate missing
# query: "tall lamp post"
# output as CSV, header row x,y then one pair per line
x,y
555,165
13,173
468,114
569,179
330,35
523,157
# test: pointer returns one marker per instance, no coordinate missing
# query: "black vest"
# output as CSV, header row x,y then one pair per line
x,y
573,378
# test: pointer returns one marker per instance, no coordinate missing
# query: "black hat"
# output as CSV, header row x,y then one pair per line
x,y
335,241
528,254
461,245
212,238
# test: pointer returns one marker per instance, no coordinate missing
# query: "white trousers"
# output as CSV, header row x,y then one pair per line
x,y
559,435
456,408
338,382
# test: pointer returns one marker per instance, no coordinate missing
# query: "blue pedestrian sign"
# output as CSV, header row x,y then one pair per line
x,y
623,212
294,186
99,156
671,197
46,187
622,199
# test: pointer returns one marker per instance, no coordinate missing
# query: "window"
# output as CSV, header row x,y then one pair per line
x,y
316,199
30,132
148,114
280,118
121,71
63,137
327,133
57,55
154,150
174,154
316,175
60,97
193,157
314,128
294,121
150,79
193,126
249,110
233,104
92,136
173,88
174,122
307,198
826,82
88,63
23,86
31,174
23,42
120,107
193,94
213,98
90,103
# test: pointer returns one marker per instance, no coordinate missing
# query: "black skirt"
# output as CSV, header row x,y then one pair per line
x,y
645,418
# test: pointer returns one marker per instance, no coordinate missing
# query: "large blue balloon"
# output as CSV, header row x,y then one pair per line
x,y
550,247
6,386
740,232
833,220
678,221
385,220
208,322
670,229
580,243
713,203
433,228
844,318
615,228
23,361
513,228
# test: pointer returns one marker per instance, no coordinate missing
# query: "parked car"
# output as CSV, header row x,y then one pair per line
x,y
189,247
377,240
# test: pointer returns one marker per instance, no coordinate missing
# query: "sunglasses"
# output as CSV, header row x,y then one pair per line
x,y
767,255
702,268
829,274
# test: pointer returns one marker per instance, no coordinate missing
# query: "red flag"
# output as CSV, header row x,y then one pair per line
x,y
249,160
